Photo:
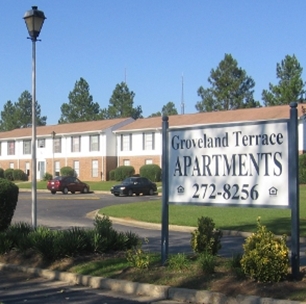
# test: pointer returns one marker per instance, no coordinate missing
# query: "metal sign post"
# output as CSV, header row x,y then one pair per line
x,y
165,195
294,191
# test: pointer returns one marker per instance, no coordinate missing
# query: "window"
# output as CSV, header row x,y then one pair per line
x,y
94,168
149,162
26,147
41,143
57,168
148,141
57,145
76,144
94,143
11,165
11,148
27,168
76,167
126,142
126,162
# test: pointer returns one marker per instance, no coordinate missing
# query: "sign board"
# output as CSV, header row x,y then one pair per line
x,y
242,164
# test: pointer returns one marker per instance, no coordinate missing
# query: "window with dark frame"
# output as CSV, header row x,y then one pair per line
x,y
27,147
57,145
94,143
76,144
11,147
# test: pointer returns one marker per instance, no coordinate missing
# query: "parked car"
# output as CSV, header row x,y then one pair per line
x,y
136,185
67,184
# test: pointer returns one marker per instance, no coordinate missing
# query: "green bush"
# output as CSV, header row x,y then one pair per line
x,y
67,171
152,172
19,175
18,235
123,172
206,238
47,176
71,242
112,175
137,257
207,262
265,257
9,174
178,262
42,241
8,202
302,169
6,244
1,173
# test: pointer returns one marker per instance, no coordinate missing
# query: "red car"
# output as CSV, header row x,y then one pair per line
x,y
67,184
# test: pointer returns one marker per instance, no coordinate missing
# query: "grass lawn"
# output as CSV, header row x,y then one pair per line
x,y
225,218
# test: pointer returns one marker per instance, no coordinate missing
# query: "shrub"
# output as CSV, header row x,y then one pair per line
x,y
123,172
67,171
207,262
265,257
206,238
18,234
47,176
152,172
19,175
8,202
70,243
178,262
9,174
5,243
104,238
137,257
302,169
112,175
1,173
42,241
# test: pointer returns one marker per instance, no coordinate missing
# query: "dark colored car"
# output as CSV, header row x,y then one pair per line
x,y
136,185
67,184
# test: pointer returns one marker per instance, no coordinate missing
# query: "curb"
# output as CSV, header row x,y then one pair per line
x,y
157,294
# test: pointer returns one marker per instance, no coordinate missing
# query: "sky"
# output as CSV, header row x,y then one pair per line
x,y
163,49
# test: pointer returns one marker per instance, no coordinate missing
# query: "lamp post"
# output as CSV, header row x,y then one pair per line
x,y
53,136
34,20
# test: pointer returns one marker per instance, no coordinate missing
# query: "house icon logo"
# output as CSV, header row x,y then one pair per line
x,y
273,191
180,190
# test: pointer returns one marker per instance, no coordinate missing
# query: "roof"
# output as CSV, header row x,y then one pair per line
x,y
204,118
60,129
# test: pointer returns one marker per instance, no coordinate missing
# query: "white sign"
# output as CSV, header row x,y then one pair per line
x,y
242,164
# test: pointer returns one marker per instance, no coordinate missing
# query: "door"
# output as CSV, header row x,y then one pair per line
x,y
41,170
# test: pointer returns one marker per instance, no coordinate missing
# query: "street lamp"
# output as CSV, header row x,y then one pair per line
x,y
34,20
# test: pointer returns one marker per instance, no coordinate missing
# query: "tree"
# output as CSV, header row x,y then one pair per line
x,y
168,109
231,88
81,106
8,121
121,103
290,86
19,114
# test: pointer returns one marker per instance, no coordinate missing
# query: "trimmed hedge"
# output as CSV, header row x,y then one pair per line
x,y
123,172
67,171
302,169
8,202
152,172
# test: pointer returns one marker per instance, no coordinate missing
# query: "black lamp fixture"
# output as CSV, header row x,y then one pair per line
x,y
34,20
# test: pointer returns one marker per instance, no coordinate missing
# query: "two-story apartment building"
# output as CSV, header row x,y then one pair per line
x,y
88,147
94,148
140,142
